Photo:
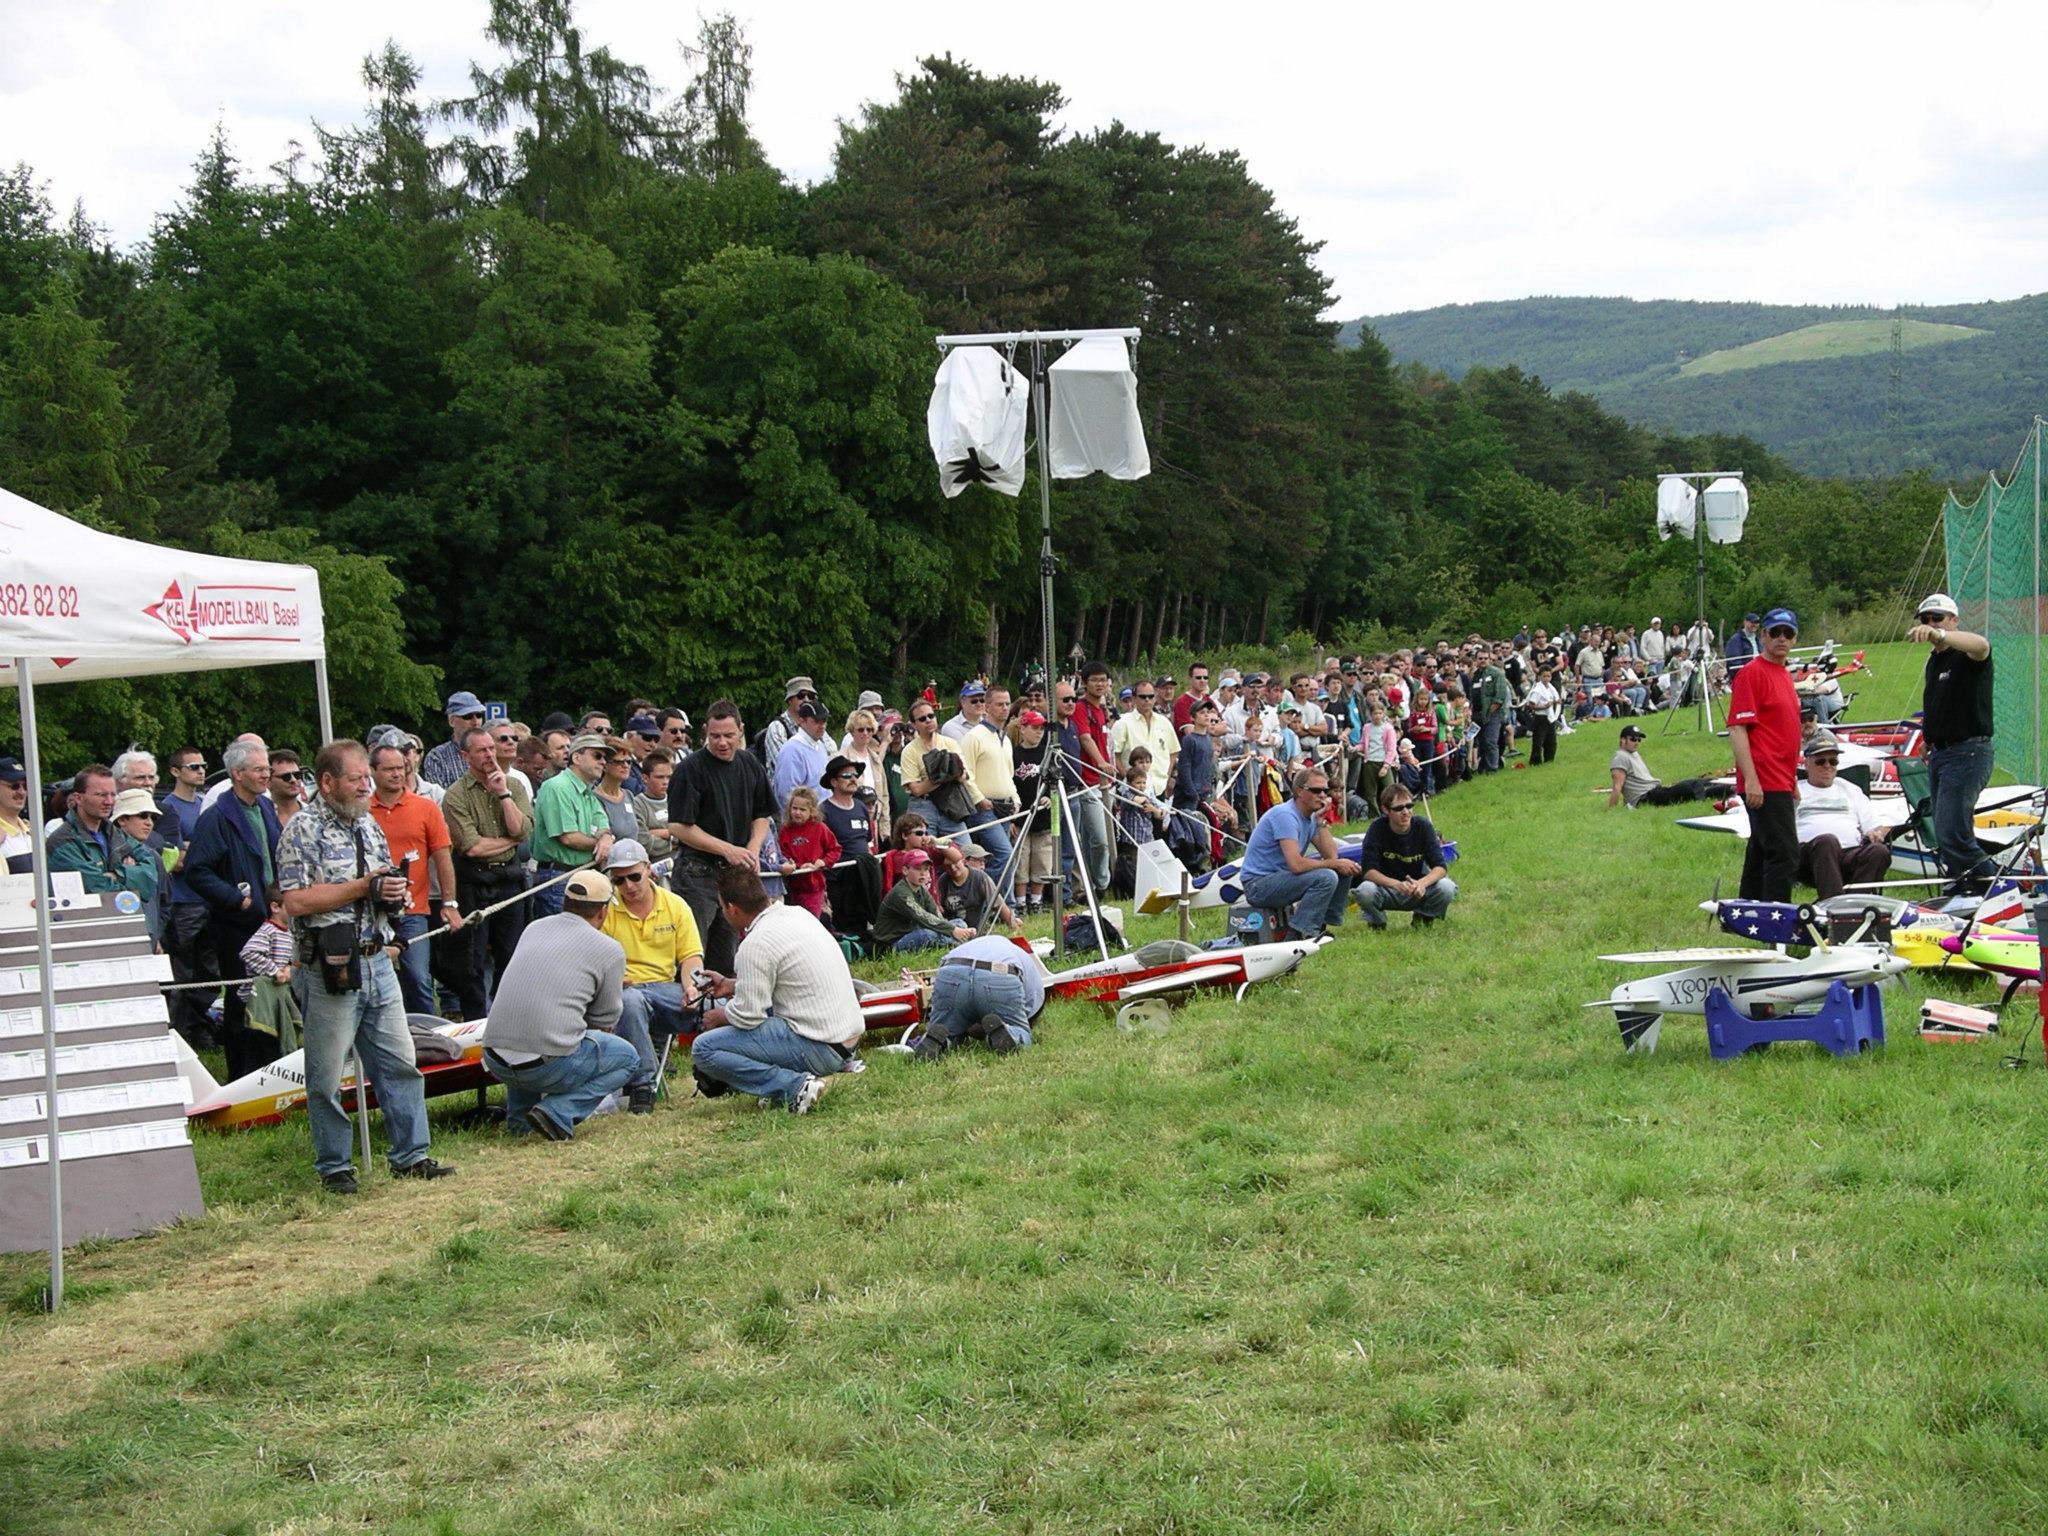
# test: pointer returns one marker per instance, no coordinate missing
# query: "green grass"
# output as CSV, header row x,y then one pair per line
x,y
1831,338
1406,1243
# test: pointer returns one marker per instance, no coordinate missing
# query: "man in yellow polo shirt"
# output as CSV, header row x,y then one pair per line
x,y
655,928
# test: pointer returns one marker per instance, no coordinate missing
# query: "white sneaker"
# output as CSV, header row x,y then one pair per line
x,y
808,1095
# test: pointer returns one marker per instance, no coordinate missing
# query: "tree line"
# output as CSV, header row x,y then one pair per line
x,y
570,395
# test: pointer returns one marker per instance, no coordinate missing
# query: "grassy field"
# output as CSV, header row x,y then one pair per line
x,y
1404,1244
1832,338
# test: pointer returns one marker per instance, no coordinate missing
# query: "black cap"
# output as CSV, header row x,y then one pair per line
x,y
1631,730
810,709
11,771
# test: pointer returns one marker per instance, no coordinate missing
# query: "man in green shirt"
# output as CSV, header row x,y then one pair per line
x,y
1491,706
570,825
489,816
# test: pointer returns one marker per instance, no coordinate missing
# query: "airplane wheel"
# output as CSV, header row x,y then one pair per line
x,y
1146,1016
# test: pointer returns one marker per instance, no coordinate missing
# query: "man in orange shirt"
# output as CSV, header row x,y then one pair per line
x,y
1763,726
412,825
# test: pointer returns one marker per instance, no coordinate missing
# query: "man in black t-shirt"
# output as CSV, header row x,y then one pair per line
x,y
1403,864
720,809
1956,718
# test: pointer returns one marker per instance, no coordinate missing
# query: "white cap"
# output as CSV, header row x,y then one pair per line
x,y
625,854
1939,602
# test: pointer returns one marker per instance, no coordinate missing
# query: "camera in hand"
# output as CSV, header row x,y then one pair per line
x,y
402,871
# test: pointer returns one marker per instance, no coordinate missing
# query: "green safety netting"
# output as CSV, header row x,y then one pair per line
x,y
1995,562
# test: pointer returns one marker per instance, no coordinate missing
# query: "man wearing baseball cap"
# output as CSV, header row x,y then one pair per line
x,y
1763,727
658,932
778,731
973,704
1956,716
1840,841
16,851
1743,645
445,764
571,828
1631,783
550,1039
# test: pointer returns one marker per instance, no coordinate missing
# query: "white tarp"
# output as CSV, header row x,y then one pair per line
x,y
98,605
1095,426
1726,504
976,420
1676,503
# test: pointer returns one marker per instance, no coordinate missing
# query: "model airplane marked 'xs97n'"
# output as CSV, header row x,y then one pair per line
x,y
1757,982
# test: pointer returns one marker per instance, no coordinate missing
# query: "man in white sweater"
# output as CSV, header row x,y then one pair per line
x,y
789,1018
550,1039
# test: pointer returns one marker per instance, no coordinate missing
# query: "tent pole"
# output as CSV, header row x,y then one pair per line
x,y
325,702
45,964
1046,566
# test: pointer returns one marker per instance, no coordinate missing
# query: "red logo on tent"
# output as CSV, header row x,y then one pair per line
x,y
221,611
173,612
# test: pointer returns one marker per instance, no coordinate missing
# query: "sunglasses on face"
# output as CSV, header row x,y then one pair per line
x,y
845,778
1405,805
197,765
922,719
289,775
1932,618
1780,632
1315,789
1147,697
1831,762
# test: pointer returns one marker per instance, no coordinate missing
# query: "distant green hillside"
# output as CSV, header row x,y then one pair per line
x,y
1813,382
1831,338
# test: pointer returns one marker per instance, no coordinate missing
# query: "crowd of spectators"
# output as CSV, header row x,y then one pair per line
x,y
888,830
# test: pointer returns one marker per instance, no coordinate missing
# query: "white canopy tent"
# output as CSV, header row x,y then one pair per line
x,y
76,604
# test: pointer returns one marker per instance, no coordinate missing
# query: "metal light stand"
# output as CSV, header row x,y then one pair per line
x,y
1702,677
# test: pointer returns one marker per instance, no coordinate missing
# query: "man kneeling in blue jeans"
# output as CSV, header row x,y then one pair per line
x,y
550,1039
1292,860
1404,864
988,990
790,1018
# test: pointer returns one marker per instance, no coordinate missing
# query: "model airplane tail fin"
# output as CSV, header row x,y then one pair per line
x,y
199,1083
1639,1030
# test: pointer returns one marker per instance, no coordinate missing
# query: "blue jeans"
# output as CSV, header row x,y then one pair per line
x,y
939,826
921,938
372,1019
567,1087
546,903
1316,897
1489,743
1956,776
1086,836
415,983
961,995
996,839
648,1006
1376,900
769,1061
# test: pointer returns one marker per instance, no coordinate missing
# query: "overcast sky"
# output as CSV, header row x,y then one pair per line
x,y
1795,151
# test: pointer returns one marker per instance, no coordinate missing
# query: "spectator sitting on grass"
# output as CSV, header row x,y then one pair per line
x,y
967,894
910,918
1404,865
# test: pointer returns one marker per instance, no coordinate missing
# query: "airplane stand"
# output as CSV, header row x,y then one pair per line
x,y
1848,1021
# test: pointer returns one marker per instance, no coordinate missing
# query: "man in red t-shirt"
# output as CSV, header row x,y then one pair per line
x,y
413,824
1198,690
1093,718
1763,725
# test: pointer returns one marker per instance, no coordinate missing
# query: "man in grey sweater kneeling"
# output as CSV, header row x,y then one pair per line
x,y
549,1039
789,1018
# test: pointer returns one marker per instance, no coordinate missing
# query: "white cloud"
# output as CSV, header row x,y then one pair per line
x,y
1806,150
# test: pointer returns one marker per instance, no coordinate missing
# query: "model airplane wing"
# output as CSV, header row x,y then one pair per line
x,y
1181,981
1698,957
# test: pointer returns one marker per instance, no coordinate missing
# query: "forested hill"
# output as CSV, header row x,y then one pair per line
x,y
1813,382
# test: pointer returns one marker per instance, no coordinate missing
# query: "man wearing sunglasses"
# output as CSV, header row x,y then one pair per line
x,y
659,935
1404,864
1840,841
1763,727
1292,861
1956,706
